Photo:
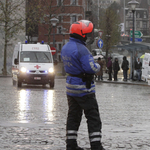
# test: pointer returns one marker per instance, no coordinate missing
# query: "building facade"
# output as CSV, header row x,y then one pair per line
x,y
67,12
141,17
141,21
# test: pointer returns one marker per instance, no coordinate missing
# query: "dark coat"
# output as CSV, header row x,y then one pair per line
x,y
125,64
116,66
109,65
138,65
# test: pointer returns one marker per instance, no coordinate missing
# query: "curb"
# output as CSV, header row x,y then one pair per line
x,y
127,83
104,81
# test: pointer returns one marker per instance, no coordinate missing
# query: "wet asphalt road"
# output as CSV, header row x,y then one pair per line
x,y
34,117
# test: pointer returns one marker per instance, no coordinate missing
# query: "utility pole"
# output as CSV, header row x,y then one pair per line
x,y
124,18
98,12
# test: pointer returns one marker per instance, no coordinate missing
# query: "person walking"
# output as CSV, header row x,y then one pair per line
x,y
116,68
80,88
125,68
100,73
109,67
138,67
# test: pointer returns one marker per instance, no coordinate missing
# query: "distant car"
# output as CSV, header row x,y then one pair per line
x,y
96,52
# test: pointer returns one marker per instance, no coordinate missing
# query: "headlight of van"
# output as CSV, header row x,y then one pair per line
x,y
23,69
51,70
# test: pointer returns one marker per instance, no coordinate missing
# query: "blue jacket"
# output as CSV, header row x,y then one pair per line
x,y
77,60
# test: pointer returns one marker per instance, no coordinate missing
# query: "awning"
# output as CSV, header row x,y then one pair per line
x,y
134,46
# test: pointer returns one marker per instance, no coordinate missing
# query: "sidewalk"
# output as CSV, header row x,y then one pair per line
x,y
120,81
105,77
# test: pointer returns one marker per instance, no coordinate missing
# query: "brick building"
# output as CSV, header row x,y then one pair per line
x,y
67,12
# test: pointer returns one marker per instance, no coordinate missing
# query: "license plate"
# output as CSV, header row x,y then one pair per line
x,y
37,78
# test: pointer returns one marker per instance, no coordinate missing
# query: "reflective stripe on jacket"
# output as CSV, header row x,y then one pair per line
x,y
78,60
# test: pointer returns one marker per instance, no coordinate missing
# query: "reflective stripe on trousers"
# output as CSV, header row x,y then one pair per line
x,y
71,135
95,136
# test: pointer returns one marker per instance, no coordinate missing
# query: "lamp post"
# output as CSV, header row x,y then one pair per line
x,y
133,4
54,21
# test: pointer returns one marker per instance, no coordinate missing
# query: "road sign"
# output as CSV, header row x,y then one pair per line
x,y
137,34
100,43
53,50
137,39
100,33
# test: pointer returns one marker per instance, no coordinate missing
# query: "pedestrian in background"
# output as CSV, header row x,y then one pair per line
x,y
80,88
125,68
116,68
138,67
100,73
109,67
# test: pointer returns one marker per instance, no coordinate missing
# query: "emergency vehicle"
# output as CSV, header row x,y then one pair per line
x,y
33,64
146,67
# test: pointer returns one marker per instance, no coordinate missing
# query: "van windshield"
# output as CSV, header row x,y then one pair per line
x,y
34,57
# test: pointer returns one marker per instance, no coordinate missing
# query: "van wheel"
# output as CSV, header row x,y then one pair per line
x,y
51,84
19,84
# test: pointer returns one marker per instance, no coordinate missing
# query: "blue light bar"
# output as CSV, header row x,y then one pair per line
x,y
42,42
26,42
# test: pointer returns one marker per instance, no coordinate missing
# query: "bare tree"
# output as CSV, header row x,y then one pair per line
x,y
32,19
11,22
111,29
39,13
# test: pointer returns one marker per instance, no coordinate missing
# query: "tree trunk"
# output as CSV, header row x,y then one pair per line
x,y
5,46
5,56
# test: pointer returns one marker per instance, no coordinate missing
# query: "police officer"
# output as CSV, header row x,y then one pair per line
x,y
80,88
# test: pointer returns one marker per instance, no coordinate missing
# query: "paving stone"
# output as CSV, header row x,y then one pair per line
x,y
34,118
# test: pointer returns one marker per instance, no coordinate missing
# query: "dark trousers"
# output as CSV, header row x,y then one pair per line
x,y
99,77
115,75
89,105
138,71
110,76
125,74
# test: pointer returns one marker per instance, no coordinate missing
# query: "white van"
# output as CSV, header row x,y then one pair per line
x,y
33,64
146,67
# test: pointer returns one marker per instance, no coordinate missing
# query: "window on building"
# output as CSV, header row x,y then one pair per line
x,y
74,19
145,15
127,24
73,2
138,24
60,2
130,24
59,30
144,25
131,15
138,15
60,19
59,47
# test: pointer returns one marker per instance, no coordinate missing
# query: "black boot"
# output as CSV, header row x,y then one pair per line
x,y
78,148
75,148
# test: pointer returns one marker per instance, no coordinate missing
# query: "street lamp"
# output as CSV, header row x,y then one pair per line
x,y
54,21
133,4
